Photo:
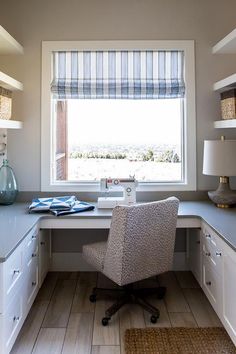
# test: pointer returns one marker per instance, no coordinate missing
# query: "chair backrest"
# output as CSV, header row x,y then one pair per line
x,y
141,241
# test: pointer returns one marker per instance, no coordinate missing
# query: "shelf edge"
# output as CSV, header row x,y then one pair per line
x,y
10,124
10,44
9,82
221,124
219,47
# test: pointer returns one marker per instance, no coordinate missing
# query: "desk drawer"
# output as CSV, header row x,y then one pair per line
x,y
213,256
13,273
211,239
31,281
30,246
211,285
12,321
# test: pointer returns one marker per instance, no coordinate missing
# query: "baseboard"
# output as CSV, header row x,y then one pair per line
x,y
73,262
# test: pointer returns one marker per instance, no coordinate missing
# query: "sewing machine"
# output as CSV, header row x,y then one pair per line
x,y
128,185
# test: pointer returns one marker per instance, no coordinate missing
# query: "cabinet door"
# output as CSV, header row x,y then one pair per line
x,y
44,254
229,292
195,257
212,286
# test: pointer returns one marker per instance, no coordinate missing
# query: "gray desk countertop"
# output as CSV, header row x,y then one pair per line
x,y
16,222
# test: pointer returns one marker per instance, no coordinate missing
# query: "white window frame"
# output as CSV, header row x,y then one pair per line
x,y
189,134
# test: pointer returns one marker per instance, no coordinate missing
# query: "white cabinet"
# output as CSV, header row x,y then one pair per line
x,y
229,291
12,321
219,278
31,267
19,284
44,254
195,257
212,255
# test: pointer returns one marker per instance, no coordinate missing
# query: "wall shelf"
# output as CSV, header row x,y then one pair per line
x,y
225,84
10,124
9,83
228,123
8,44
227,45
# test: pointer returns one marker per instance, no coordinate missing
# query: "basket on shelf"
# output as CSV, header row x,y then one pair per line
x,y
5,103
228,104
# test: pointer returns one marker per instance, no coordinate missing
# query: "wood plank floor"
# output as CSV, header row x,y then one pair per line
x,y
62,320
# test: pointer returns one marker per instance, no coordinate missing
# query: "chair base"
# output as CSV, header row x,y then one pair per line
x,y
128,294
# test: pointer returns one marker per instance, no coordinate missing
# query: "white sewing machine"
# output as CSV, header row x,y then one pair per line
x,y
128,185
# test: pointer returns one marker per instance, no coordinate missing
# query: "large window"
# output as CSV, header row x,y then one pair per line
x,y
90,131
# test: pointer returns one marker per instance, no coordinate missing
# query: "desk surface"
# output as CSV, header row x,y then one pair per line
x,y
16,222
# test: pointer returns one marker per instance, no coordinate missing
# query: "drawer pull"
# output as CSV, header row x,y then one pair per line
x,y
198,242
16,318
208,254
42,243
218,254
34,283
16,271
34,237
34,255
208,236
208,283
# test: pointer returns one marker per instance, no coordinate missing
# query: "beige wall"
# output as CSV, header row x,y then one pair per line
x,y
31,21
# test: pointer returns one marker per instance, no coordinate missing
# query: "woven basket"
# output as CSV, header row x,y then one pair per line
x,y
228,104
5,103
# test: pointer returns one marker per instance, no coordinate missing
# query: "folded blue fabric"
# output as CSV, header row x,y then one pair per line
x,y
78,207
59,205
49,204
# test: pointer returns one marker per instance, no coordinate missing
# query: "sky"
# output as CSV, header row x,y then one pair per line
x,y
124,121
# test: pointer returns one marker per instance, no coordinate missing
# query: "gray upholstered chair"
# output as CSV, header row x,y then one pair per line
x,y
140,245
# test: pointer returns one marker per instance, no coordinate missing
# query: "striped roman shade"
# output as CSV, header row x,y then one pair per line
x,y
118,74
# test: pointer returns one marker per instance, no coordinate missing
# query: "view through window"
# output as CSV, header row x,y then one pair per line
x,y
118,138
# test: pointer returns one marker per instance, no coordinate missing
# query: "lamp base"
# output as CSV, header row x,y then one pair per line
x,y
223,197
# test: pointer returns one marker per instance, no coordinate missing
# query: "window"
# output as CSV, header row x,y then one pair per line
x,y
100,121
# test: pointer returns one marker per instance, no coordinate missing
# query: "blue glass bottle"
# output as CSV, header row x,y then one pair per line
x,y
8,184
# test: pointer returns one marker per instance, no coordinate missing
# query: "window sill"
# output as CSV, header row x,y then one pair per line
x,y
95,187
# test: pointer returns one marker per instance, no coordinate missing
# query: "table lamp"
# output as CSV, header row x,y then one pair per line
x,y
219,159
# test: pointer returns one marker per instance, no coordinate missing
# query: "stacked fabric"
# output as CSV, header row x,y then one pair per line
x,y
59,205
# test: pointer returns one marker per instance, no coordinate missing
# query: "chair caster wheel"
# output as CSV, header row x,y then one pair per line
x,y
105,321
93,298
154,319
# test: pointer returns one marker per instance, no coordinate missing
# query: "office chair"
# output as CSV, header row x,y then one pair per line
x,y
140,245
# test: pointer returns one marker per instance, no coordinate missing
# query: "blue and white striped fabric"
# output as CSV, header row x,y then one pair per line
x,y
118,74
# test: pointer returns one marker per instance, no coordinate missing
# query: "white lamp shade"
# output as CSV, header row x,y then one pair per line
x,y
219,158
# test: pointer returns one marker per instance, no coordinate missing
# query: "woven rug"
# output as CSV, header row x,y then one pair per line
x,y
178,341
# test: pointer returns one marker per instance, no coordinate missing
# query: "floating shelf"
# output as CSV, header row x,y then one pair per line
x,y
10,124
227,45
228,123
8,44
225,84
9,83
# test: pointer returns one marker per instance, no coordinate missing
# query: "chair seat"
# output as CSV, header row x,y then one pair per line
x,y
95,253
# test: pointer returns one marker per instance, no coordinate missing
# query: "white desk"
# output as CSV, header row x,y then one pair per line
x,y
25,255
16,222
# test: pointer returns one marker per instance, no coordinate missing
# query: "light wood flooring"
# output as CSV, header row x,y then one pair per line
x,y
62,320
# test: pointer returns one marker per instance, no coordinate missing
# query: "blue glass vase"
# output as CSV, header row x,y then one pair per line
x,y
8,185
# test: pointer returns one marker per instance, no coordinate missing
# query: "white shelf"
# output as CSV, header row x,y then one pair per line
x,y
8,44
10,124
227,45
229,123
225,84
9,83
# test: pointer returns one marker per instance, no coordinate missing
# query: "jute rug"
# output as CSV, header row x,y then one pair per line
x,y
178,341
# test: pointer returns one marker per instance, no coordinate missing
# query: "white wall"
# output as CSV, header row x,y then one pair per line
x,y
31,21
